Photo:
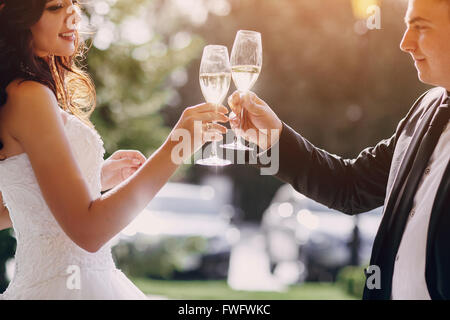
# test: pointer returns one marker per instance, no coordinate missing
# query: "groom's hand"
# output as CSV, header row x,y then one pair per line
x,y
260,125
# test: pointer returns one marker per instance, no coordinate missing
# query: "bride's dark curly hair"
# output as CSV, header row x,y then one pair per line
x,y
71,85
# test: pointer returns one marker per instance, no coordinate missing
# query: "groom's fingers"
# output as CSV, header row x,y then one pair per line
x,y
252,103
234,120
257,100
235,98
234,101
249,101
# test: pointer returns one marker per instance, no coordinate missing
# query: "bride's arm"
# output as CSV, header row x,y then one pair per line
x,y
5,221
87,221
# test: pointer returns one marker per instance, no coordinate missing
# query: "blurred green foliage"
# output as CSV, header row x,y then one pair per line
x,y
219,290
352,280
157,257
132,74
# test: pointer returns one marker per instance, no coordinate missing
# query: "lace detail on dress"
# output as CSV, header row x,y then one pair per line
x,y
44,251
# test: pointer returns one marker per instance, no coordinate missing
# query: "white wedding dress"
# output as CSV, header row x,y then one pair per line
x,y
48,264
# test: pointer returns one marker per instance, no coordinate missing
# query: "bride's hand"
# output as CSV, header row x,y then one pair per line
x,y
119,166
196,126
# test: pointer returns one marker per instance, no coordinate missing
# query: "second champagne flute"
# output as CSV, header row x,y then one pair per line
x,y
215,78
246,63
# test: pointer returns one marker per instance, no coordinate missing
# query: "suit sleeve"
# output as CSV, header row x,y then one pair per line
x,y
348,185
351,186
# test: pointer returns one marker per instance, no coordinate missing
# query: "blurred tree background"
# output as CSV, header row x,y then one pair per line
x,y
341,86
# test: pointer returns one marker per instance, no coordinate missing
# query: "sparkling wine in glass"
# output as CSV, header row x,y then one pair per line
x,y
215,78
246,63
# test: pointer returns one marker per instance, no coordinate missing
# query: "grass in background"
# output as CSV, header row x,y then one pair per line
x,y
219,290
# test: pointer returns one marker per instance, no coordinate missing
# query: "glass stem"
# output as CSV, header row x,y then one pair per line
x,y
214,143
214,148
237,139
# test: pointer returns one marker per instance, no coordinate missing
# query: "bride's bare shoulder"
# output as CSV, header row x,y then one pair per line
x,y
26,100
22,90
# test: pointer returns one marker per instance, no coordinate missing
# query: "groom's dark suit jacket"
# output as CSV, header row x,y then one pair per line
x,y
358,185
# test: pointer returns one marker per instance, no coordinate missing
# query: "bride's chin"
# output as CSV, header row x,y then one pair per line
x,y
65,53
45,56
41,54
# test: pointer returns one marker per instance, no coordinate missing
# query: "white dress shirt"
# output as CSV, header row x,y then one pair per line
x,y
408,281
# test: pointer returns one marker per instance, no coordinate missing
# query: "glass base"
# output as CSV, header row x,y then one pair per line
x,y
237,145
213,161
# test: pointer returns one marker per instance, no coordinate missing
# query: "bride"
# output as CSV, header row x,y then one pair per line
x,y
52,170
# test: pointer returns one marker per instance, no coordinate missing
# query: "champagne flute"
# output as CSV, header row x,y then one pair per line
x,y
246,63
215,78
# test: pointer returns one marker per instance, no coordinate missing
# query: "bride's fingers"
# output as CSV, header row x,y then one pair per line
x,y
235,103
207,107
214,127
127,172
124,162
124,154
139,157
212,136
211,116
218,109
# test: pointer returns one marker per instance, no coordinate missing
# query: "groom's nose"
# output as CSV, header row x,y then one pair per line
x,y
409,41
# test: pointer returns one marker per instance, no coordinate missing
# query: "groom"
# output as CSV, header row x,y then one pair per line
x,y
409,173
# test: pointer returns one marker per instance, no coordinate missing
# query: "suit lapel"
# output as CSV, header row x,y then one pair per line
x,y
405,166
442,195
379,253
397,188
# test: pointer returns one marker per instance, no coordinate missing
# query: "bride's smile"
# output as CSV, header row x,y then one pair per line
x,y
55,32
